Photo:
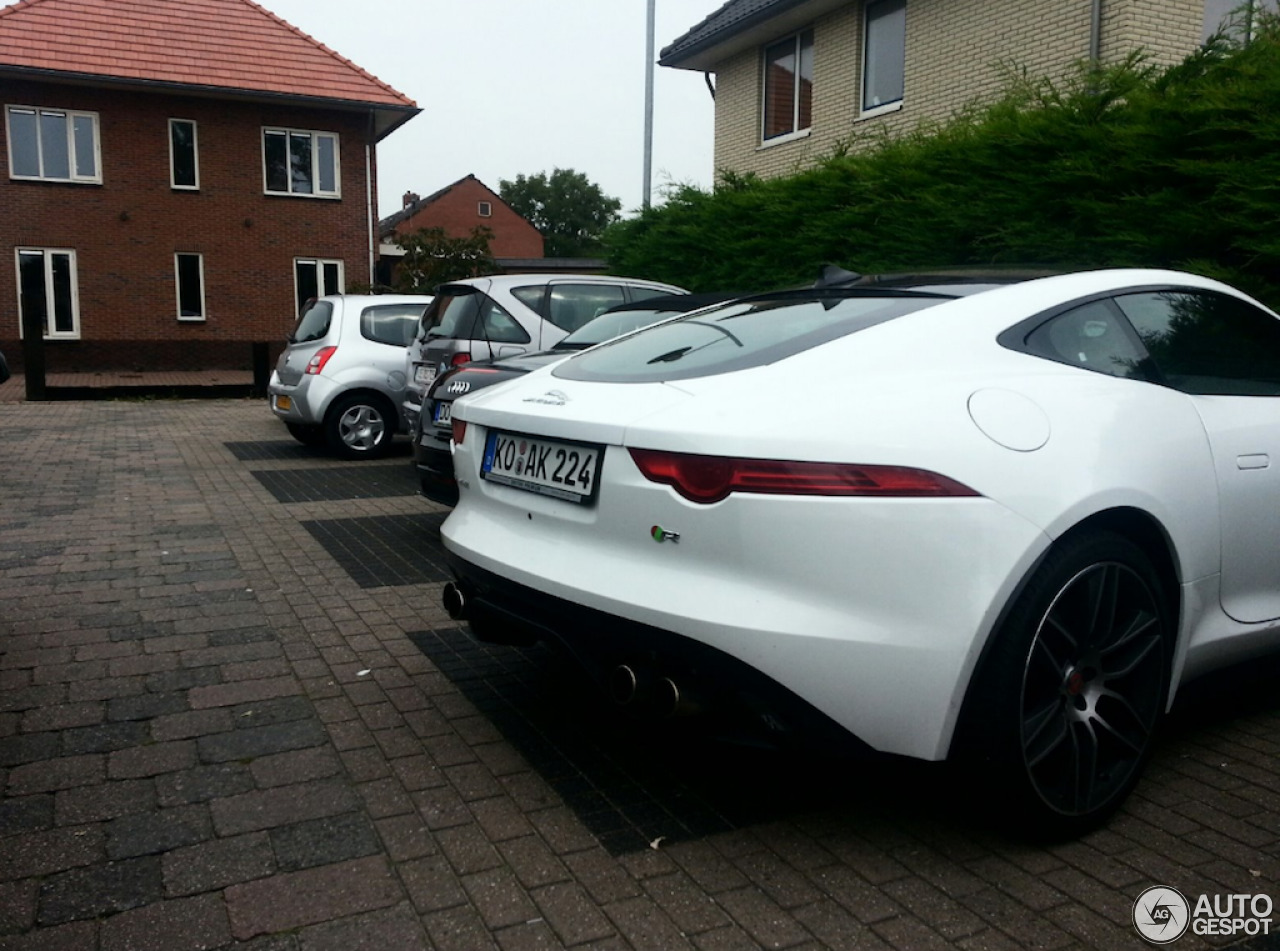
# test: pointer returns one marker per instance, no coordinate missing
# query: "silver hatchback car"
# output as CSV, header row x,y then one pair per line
x,y
340,380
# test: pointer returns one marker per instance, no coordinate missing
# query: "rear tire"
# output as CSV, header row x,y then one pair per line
x,y
307,435
1066,707
360,426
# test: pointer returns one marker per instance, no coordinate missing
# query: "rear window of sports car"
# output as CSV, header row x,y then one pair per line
x,y
737,336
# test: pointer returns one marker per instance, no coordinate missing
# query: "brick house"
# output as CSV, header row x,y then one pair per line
x,y
796,78
181,173
458,209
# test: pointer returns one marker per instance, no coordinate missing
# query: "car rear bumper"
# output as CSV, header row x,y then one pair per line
x,y
303,403
435,476
873,612
672,675
433,458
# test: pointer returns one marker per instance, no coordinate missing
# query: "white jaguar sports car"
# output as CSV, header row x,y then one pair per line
x,y
999,520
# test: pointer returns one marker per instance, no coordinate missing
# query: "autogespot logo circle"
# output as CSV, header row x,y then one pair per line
x,y
1161,914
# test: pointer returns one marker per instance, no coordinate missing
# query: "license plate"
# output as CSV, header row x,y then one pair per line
x,y
424,375
284,402
443,413
563,470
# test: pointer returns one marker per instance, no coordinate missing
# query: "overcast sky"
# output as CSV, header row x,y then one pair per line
x,y
510,87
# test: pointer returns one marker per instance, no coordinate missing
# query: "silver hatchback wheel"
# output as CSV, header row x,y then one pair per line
x,y
359,427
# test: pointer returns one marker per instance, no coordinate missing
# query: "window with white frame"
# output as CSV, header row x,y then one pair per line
x,y
316,277
48,292
184,156
884,55
188,276
53,145
788,86
484,209
299,162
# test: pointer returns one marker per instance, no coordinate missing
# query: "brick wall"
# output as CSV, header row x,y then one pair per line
x,y
126,230
1166,30
957,54
457,212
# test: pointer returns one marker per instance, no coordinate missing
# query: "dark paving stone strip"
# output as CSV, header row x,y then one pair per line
x,y
282,449
385,550
289,450
25,554
631,783
361,481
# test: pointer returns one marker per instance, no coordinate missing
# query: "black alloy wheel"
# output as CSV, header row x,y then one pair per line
x,y
1077,685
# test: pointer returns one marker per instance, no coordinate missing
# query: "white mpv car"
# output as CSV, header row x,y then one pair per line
x,y
486,318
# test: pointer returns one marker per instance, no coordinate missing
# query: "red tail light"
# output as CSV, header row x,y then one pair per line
x,y
707,479
458,359
458,430
321,357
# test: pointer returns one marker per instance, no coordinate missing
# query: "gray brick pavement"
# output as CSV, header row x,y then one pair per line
x,y
213,735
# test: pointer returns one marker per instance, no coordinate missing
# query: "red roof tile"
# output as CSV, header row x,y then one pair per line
x,y
231,44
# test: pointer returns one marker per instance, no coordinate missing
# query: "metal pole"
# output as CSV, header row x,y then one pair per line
x,y
648,104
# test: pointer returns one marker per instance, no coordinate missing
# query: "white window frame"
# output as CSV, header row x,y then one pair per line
x,y
315,137
484,209
869,112
319,265
177,287
195,156
50,333
71,116
797,46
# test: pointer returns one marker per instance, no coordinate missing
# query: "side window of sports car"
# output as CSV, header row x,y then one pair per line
x,y
1207,343
1093,337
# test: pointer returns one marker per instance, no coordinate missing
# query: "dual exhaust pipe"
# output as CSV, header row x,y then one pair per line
x,y
639,687
645,690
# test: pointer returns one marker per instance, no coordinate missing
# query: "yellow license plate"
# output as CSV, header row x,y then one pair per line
x,y
284,402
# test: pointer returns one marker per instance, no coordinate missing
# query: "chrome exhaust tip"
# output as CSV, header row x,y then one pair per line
x,y
624,684
455,602
675,702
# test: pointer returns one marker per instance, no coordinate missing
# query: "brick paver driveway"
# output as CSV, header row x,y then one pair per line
x,y
233,715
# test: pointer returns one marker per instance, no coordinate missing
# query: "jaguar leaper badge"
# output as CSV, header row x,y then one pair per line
x,y
660,534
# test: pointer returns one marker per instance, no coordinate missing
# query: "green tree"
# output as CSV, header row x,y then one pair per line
x,y
568,209
431,257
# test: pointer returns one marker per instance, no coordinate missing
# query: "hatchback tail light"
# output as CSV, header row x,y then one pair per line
x,y
458,430
707,479
458,359
319,359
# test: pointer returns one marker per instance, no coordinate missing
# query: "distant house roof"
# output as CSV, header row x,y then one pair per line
x,y
388,225
229,48
739,25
